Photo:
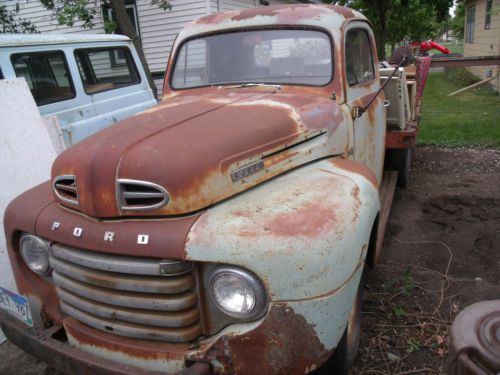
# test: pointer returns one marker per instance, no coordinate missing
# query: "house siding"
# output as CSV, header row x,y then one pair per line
x,y
158,28
486,41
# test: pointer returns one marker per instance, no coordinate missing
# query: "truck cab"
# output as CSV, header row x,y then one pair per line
x,y
85,82
227,229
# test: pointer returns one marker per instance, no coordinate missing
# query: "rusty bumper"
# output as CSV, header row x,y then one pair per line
x,y
42,345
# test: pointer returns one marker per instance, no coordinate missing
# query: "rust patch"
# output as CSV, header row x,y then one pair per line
x,y
136,348
269,347
310,220
356,167
284,14
279,158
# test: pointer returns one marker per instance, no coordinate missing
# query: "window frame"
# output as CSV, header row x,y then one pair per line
x,y
66,67
109,15
131,65
487,16
470,26
250,29
370,42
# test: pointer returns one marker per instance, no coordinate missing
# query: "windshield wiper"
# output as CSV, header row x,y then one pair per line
x,y
277,87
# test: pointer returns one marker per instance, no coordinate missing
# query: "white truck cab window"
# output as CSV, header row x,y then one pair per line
x,y
106,69
47,75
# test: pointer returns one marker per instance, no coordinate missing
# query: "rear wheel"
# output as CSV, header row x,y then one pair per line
x,y
399,159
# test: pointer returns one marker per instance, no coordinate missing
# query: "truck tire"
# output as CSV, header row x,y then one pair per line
x,y
399,159
347,349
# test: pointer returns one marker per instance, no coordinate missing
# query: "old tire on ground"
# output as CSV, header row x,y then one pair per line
x,y
347,349
399,159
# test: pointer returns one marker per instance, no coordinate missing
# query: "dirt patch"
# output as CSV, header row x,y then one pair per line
x,y
440,255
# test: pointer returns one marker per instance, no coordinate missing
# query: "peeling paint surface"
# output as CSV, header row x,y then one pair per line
x,y
195,144
318,324
301,233
256,178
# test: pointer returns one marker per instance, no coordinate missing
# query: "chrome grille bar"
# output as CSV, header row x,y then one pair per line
x,y
125,282
154,318
130,296
134,330
121,264
165,302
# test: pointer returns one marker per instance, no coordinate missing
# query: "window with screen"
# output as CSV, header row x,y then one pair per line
x,y
470,24
359,58
46,74
99,73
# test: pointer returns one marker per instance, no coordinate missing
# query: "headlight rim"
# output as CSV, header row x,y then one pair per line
x,y
259,306
45,244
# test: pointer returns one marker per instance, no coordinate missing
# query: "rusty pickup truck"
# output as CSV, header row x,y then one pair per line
x,y
226,230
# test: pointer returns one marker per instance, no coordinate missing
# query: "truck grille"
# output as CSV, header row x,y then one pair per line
x,y
129,296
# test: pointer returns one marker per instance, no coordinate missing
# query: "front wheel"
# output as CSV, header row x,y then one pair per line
x,y
347,349
399,159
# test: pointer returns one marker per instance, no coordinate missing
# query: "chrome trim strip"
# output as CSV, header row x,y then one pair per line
x,y
120,195
64,199
146,317
173,302
132,329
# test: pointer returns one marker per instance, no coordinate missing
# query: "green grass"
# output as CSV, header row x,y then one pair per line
x,y
471,118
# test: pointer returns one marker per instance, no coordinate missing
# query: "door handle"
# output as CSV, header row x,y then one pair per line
x,y
387,103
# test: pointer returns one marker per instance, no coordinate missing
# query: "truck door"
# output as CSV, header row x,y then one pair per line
x,y
361,82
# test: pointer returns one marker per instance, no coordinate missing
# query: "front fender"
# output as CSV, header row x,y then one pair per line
x,y
303,233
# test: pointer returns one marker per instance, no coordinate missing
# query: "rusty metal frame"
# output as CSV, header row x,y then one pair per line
x,y
402,138
67,359
456,62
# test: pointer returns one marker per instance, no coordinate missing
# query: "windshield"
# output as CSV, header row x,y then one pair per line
x,y
292,56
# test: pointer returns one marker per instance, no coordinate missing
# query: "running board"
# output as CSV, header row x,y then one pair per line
x,y
387,188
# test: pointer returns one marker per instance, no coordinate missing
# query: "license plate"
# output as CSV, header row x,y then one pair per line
x,y
15,304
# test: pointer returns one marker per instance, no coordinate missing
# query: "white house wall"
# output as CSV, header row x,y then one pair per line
x,y
45,20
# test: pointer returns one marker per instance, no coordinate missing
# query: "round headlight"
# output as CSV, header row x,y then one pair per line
x,y
35,253
237,292
233,294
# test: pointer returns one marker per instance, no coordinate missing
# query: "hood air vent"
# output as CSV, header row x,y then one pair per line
x,y
135,195
65,189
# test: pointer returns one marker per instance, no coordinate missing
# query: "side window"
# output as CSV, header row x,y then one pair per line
x,y
359,58
100,73
191,66
47,75
470,24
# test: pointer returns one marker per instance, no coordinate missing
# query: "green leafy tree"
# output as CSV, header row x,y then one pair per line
x,y
395,19
70,11
457,24
11,23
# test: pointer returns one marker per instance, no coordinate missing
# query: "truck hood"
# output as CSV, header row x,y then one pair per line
x,y
200,149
